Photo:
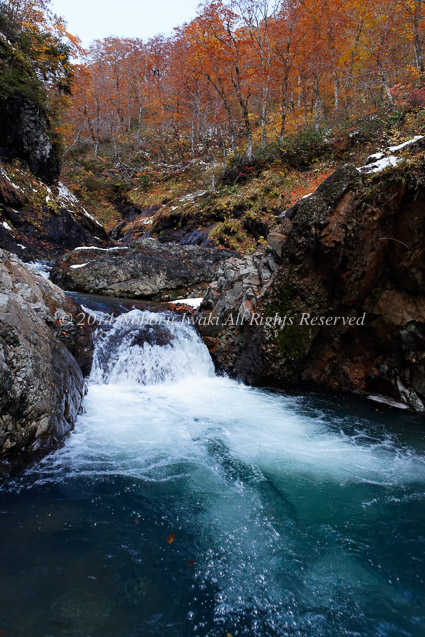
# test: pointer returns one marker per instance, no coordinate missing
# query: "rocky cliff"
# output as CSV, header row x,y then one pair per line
x,y
337,299
25,134
41,383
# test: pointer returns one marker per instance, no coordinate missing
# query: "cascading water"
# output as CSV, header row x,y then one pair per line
x,y
188,504
143,348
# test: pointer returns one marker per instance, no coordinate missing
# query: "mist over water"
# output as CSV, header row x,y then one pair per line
x,y
189,504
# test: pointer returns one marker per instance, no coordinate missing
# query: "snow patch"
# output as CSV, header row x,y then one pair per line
x,y
65,194
6,225
373,158
193,195
394,149
102,249
307,196
380,165
87,214
195,303
75,267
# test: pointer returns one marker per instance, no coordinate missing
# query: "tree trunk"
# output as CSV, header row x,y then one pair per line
x,y
336,92
418,50
282,121
384,80
317,104
264,118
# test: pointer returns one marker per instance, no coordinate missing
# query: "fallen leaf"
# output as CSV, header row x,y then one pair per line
x,y
171,538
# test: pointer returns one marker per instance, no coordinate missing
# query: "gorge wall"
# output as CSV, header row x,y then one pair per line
x,y
355,249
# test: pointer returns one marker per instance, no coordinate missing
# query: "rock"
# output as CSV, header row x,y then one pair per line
x,y
25,134
353,250
276,242
143,269
41,384
41,222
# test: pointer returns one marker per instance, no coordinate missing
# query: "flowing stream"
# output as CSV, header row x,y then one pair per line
x,y
188,504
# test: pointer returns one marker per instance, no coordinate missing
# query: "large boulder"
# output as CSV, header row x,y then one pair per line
x,y
345,308
41,384
143,269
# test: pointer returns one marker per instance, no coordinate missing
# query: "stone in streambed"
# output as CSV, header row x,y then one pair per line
x,y
143,269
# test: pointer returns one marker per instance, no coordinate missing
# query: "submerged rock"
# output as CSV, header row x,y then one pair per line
x,y
345,308
143,269
41,384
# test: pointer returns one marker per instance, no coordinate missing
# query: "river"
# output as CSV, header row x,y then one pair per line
x,y
184,503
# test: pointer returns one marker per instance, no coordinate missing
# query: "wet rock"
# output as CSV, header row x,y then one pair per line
x,y
143,269
41,384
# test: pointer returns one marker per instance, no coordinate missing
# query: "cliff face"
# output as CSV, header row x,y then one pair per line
x,y
344,305
25,134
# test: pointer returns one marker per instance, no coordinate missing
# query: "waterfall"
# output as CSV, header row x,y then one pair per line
x,y
144,348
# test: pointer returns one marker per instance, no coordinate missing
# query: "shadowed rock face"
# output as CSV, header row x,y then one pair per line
x,y
25,134
41,384
145,269
354,249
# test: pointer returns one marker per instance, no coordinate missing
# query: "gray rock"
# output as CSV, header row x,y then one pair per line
x,y
41,384
144,269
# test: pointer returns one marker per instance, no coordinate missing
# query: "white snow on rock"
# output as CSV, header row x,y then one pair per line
x,y
394,149
192,196
307,196
6,225
75,267
374,158
102,249
66,195
195,303
87,214
67,198
380,165
4,174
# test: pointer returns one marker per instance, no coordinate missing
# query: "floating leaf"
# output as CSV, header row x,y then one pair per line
x,y
171,538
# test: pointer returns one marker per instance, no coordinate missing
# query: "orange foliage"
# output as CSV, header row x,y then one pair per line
x,y
247,72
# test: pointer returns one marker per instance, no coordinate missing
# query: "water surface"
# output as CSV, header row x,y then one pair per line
x,y
187,504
